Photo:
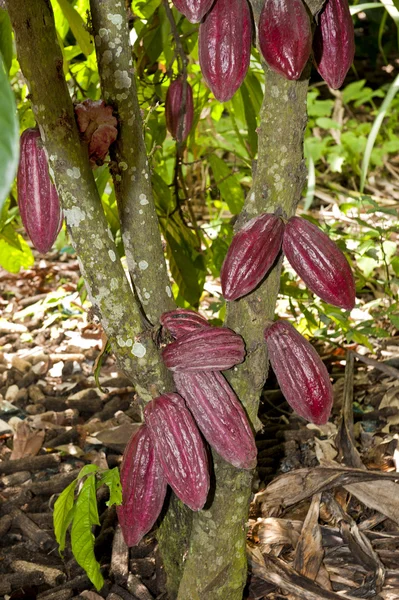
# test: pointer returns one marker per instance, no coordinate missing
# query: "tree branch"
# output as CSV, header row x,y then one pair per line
x,y
130,170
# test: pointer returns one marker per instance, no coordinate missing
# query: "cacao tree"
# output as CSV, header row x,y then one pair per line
x,y
199,563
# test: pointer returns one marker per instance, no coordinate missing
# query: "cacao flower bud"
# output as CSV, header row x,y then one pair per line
x,y
219,415
319,263
334,42
143,487
300,372
38,201
181,321
224,46
252,253
98,126
177,111
193,10
285,36
208,349
180,448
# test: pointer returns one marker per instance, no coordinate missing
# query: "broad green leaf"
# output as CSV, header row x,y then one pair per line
x,y
87,470
9,136
82,538
6,39
12,259
145,8
354,10
189,279
63,514
78,27
227,183
327,123
112,480
250,117
61,23
9,235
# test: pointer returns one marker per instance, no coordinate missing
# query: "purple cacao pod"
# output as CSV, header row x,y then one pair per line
x,y
301,374
143,487
224,46
251,254
285,36
208,349
38,201
334,42
176,111
98,127
219,415
180,448
319,263
181,321
193,10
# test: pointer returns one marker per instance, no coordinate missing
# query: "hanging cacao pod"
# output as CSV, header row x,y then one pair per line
x,y
98,127
176,111
180,448
38,201
193,10
252,253
285,36
143,487
300,372
219,415
334,42
181,321
224,46
319,263
207,349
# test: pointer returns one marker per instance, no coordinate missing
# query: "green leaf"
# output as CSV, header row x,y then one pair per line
x,y
184,271
6,39
9,234
112,480
12,259
82,538
63,513
366,6
227,182
145,8
78,27
9,136
87,470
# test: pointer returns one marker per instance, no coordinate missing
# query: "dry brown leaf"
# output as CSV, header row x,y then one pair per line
x,y
275,533
26,442
382,496
309,551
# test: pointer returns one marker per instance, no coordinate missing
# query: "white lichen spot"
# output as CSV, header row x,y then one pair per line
x,y
118,51
74,216
107,57
97,39
143,199
122,80
131,121
121,97
133,178
141,211
138,350
111,45
118,40
74,173
143,265
103,33
121,341
114,284
53,157
112,255
98,243
168,291
147,295
122,166
252,197
275,91
115,20
146,176
129,343
111,237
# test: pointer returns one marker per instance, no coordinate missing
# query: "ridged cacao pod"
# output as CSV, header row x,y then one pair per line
x,y
219,415
285,36
98,127
38,201
208,349
301,374
224,46
143,487
176,111
334,42
180,448
181,321
193,10
319,263
251,254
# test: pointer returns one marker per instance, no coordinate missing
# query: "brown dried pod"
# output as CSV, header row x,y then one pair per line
x,y
207,349
334,42
193,10
285,36
319,262
301,374
180,448
143,487
224,46
182,320
98,127
38,202
219,415
252,253
179,115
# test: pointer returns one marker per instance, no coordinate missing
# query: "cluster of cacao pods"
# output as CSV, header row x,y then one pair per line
x,y
168,448
285,40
